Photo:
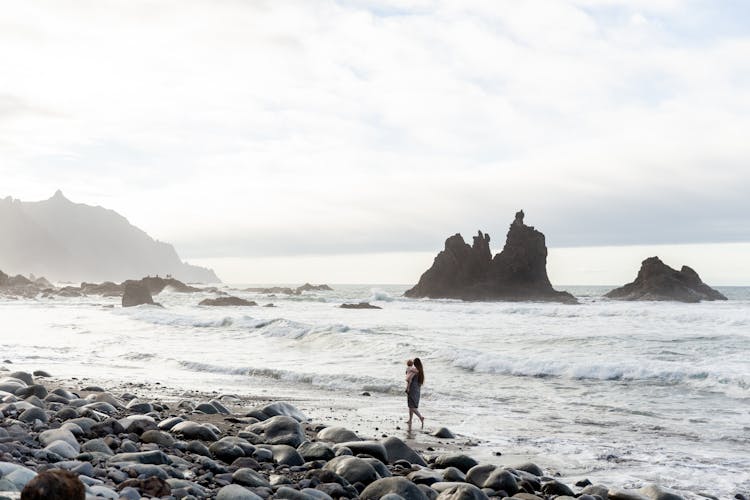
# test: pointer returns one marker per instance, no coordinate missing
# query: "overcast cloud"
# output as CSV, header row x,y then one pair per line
x,y
262,128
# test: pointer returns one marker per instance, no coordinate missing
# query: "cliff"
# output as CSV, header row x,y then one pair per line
x,y
68,241
517,273
658,281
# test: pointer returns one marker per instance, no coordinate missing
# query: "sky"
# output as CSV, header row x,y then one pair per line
x,y
314,140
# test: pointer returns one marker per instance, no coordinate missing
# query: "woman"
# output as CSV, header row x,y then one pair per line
x,y
414,381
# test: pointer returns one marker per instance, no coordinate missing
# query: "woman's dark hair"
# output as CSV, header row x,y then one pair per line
x,y
420,375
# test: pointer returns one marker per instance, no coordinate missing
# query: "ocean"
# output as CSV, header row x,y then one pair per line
x,y
621,393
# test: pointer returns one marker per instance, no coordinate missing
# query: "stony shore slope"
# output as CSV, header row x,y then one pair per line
x,y
128,446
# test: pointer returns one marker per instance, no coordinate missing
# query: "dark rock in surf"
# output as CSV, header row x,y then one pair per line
x,y
361,305
658,281
227,301
136,294
466,272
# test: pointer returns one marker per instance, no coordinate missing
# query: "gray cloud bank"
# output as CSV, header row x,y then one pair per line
x,y
276,128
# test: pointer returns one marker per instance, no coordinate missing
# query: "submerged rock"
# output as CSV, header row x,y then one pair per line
x,y
361,305
466,272
227,301
658,281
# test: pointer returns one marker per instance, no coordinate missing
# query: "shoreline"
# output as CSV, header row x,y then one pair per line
x,y
437,461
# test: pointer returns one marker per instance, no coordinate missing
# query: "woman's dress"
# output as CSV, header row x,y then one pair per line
x,y
412,397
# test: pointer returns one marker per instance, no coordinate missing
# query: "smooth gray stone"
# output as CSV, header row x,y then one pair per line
x,y
61,448
288,493
52,435
11,385
84,423
73,429
597,490
168,423
452,474
220,407
283,409
425,476
396,450
656,492
104,492
33,400
353,469
501,479
158,437
443,433
198,448
192,488
393,486
136,406
379,466
230,448
458,460
249,477
236,492
337,435
478,474
32,414
263,455
429,492
6,486
39,391
373,448
207,408
279,429
106,397
129,493
55,398
620,494
144,457
101,407
315,451
63,393
462,491
284,454
556,488
20,477
147,470
192,430
128,446
136,423
26,377
531,468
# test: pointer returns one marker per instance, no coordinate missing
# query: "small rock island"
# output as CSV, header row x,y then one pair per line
x,y
518,273
658,281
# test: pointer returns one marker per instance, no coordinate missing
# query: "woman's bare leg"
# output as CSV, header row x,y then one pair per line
x,y
416,412
411,414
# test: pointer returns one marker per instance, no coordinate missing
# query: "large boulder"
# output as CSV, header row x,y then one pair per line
x,y
466,272
353,469
135,294
393,485
658,281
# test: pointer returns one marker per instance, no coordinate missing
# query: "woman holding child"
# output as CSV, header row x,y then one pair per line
x,y
414,381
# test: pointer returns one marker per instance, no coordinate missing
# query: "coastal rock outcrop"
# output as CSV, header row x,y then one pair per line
x,y
466,272
135,294
658,281
229,300
69,241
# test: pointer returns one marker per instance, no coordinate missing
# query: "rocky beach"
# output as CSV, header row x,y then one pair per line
x,y
136,441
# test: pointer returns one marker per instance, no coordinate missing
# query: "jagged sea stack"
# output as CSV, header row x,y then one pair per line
x,y
658,281
518,273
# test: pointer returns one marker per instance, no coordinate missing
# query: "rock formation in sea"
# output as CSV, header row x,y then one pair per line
x,y
135,294
227,301
466,272
68,241
658,281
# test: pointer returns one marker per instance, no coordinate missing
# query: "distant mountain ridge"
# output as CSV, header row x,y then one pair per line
x,y
67,241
